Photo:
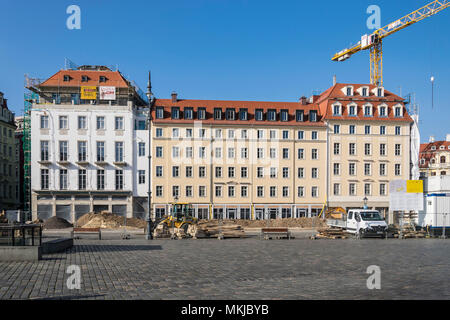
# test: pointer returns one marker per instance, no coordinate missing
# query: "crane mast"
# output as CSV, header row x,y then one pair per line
x,y
373,42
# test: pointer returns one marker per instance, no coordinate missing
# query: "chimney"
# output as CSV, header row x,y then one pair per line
x,y
447,137
431,139
303,100
334,80
174,97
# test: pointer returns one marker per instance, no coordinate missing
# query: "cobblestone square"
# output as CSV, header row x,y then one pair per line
x,y
235,269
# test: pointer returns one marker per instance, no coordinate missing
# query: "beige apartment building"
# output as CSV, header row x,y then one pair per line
x,y
239,159
9,176
368,144
256,160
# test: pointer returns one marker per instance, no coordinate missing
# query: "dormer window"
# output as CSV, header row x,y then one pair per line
x,y
313,116
201,113
243,114
189,113
230,114
66,77
367,111
299,115
284,115
102,79
422,161
382,111
349,91
271,115
398,112
433,147
352,110
217,114
442,147
336,110
364,92
159,112
175,113
259,115
84,78
379,92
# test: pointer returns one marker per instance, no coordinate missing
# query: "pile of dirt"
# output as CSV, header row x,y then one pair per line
x,y
56,223
108,220
303,222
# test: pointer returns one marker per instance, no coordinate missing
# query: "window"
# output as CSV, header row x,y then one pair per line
x,y
159,112
118,123
141,176
84,78
271,115
230,191
260,172
300,135
337,129
313,116
336,110
367,169
218,153
217,114
175,171
218,191
273,172
301,192
202,191
367,111
273,191
260,191
285,134
382,149
299,115
119,151
141,149
218,172
82,150
230,134
382,111
314,192
382,130
159,152
243,114
244,172
188,191
244,134
44,179
285,172
201,133
159,191
442,159
314,173
300,173
231,153
201,113
273,153
100,123
352,110
397,130
382,189
351,129
336,189
367,189
284,115
398,112
379,92
352,168
382,169
231,172
63,151
175,191
260,153
44,123
175,113
314,135
398,171
63,122
352,189
336,169
201,152
82,179
175,133
285,153
352,148
230,114
82,122
100,179
244,191
285,191
367,149
202,172
259,115
100,151
159,171
63,179
218,133
349,91
244,153
44,151
188,113
398,149
175,152
364,92
314,154
336,148
66,78
366,129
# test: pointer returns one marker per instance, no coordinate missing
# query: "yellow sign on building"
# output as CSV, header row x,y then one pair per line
x,y
414,186
89,92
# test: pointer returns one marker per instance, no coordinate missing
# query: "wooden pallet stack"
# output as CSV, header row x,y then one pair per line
x,y
215,229
330,233
409,232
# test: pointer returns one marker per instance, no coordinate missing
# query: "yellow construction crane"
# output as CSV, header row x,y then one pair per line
x,y
373,42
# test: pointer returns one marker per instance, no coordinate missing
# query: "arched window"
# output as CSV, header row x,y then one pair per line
x,y
443,173
443,159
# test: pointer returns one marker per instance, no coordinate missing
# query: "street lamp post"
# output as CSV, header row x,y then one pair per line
x,y
148,235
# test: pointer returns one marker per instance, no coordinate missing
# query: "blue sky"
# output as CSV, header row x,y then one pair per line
x,y
235,50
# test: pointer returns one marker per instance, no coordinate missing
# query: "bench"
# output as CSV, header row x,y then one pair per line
x,y
275,233
87,230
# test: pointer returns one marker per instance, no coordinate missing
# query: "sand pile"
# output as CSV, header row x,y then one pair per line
x,y
56,223
108,220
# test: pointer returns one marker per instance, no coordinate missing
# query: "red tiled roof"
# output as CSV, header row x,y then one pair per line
x,y
251,106
335,94
426,153
113,78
